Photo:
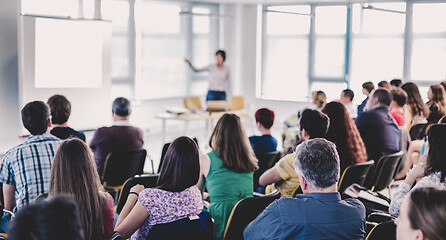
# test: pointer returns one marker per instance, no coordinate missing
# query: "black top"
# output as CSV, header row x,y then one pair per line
x,y
67,132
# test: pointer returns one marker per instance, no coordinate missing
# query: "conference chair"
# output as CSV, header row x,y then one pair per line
x,y
193,103
244,212
383,231
385,171
266,161
200,226
120,166
147,180
164,151
418,131
237,103
354,174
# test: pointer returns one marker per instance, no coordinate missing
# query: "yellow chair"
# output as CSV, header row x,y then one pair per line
x,y
237,103
192,103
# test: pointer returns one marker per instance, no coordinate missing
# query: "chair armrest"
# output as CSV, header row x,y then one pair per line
x,y
379,217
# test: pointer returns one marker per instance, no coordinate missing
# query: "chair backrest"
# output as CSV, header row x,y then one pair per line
x,y
148,181
383,231
385,171
354,174
163,155
195,227
237,103
120,166
244,212
418,131
192,103
266,161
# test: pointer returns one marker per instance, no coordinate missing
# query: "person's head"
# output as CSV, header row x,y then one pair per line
x,y
443,84
52,219
265,117
396,83
60,109
220,56
121,108
399,97
74,172
319,98
232,145
422,215
347,96
436,136
316,161
436,94
36,117
367,88
384,84
380,98
181,168
414,100
313,124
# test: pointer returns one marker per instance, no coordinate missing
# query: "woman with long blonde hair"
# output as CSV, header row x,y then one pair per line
x,y
74,173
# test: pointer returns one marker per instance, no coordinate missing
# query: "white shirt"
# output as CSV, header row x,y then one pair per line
x,y
219,79
351,109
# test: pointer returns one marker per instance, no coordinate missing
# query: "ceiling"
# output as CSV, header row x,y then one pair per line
x,y
290,1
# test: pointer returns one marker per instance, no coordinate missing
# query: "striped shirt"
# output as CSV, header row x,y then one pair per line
x,y
28,167
290,179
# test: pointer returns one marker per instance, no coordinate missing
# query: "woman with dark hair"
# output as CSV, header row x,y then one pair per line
x,y
423,215
342,131
220,84
175,196
74,173
227,171
416,111
60,112
436,103
429,171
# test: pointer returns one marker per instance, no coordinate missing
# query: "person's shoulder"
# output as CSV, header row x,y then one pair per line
x,y
354,203
254,138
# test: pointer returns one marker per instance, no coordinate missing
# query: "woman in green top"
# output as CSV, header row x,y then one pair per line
x,y
227,171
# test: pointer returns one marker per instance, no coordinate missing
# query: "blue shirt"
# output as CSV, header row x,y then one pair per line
x,y
310,216
28,167
361,107
263,144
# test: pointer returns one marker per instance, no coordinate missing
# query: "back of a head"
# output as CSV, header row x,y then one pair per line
x,y
319,98
121,107
265,117
181,167
427,212
53,219
384,97
438,94
396,83
348,93
60,109
35,117
339,120
399,96
314,122
317,161
368,86
414,99
232,145
384,84
437,151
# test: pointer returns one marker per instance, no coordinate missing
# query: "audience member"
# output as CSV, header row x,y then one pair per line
x,y
53,219
319,213
377,127
436,103
175,196
343,132
396,83
227,169
265,143
431,170
25,169
119,137
74,173
396,107
319,99
313,124
416,109
384,84
423,215
346,98
367,88
60,112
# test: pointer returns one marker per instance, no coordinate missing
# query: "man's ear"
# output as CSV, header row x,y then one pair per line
x,y
305,135
303,184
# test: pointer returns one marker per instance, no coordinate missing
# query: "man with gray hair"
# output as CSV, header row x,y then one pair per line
x,y
319,213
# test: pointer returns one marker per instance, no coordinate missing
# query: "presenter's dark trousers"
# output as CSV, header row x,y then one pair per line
x,y
215,95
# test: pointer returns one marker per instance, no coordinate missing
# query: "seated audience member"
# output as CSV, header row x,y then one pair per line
x,y
175,196
313,124
436,103
367,88
346,98
396,83
416,109
377,127
54,219
396,107
443,84
74,173
423,215
343,132
319,99
384,84
318,213
119,137
227,171
25,169
431,170
265,143
60,112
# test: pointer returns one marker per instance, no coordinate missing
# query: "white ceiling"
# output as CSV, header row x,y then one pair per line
x,y
289,1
